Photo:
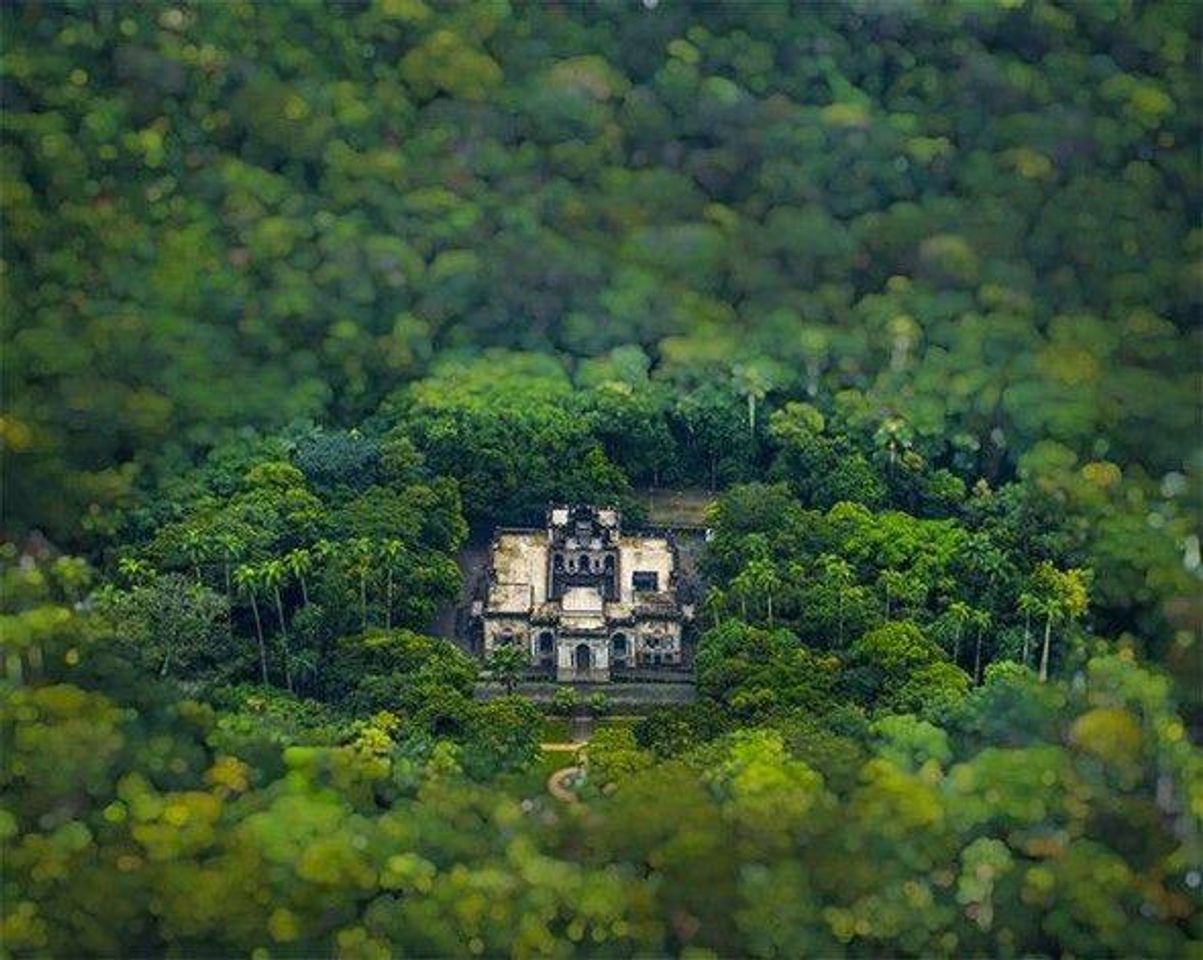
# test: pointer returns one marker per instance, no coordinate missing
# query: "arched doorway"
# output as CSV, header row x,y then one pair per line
x,y
583,657
547,650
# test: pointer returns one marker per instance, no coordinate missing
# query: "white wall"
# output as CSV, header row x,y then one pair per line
x,y
637,554
599,650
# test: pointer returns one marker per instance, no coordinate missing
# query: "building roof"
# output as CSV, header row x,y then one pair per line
x,y
519,571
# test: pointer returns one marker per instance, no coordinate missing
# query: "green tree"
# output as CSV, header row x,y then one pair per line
x,y
248,579
507,664
299,564
272,575
390,554
839,574
359,556
134,570
168,623
1062,595
757,579
752,382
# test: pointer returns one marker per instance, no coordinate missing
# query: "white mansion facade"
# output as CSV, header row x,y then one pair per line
x,y
583,598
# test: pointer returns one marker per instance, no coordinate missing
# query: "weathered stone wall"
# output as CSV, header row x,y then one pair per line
x,y
618,694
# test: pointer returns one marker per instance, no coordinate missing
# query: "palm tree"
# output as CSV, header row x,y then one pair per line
x,y
299,562
273,574
324,550
758,577
716,602
1064,596
961,614
1028,604
893,435
838,571
754,382
246,578
1049,608
390,553
361,565
814,344
231,547
194,548
981,620
134,570
767,582
894,583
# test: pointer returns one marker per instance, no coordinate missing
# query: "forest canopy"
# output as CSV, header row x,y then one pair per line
x,y
302,300
981,218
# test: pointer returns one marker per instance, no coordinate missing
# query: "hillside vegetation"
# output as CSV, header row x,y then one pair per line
x,y
298,297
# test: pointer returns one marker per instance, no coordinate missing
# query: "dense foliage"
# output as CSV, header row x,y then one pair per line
x,y
1041,819
302,297
983,218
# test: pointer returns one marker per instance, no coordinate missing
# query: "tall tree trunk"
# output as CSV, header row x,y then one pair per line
x,y
1027,636
770,604
284,640
229,600
363,600
304,589
977,659
751,413
259,634
956,647
1048,632
388,601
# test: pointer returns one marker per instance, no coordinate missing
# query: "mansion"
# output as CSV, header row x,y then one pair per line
x,y
584,599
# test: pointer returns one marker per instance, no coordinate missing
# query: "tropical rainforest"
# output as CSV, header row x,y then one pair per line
x,y
299,299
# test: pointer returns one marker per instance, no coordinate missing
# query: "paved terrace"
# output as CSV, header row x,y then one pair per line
x,y
638,694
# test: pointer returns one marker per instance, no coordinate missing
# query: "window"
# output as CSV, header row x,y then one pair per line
x,y
546,642
645,581
619,643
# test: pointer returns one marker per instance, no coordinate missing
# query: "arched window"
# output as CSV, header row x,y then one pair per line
x,y
584,564
559,561
506,639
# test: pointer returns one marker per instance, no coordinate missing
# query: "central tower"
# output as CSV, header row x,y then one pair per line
x,y
583,550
